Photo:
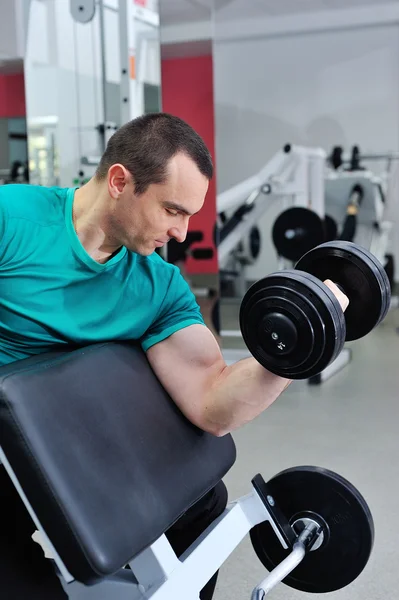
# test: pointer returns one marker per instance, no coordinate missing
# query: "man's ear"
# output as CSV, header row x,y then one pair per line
x,y
118,177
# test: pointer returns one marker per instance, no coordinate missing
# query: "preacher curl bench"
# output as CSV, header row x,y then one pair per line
x,y
105,463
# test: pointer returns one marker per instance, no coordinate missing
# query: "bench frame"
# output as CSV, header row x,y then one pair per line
x,y
157,573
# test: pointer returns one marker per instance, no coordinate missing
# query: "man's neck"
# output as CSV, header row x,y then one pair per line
x,y
90,220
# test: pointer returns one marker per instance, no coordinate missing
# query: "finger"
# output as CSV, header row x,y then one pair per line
x,y
342,299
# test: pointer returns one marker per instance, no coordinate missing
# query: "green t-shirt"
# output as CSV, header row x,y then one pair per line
x,y
53,294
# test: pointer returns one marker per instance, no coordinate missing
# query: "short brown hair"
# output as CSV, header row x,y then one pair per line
x,y
145,145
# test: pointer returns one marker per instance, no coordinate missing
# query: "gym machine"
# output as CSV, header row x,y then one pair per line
x,y
346,183
348,177
138,32
17,173
101,517
294,173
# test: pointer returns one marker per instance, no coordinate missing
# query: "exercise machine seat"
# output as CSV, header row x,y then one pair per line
x,y
103,455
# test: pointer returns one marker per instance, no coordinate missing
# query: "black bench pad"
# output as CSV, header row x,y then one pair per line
x,y
104,456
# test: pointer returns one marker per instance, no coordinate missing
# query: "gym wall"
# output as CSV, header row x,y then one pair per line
x,y
11,30
321,88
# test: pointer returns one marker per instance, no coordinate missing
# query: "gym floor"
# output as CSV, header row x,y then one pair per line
x,y
348,424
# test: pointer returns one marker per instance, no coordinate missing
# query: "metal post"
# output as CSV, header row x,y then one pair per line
x,y
103,72
279,573
124,24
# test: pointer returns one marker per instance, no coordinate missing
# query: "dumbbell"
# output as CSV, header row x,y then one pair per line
x,y
293,324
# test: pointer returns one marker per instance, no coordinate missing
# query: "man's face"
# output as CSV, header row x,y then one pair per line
x,y
146,222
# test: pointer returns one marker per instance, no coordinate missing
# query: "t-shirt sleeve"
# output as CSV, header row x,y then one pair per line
x,y
179,310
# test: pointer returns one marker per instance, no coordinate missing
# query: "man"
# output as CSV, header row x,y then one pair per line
x,y
79,267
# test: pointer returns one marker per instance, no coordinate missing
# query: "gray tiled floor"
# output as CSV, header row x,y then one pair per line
x,y
350,424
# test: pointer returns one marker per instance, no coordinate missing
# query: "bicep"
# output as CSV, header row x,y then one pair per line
x,y
187,365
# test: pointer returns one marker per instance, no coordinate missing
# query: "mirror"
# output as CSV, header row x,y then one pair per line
x,y
89,68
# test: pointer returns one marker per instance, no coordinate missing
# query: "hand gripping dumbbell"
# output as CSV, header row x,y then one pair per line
x,y
293,324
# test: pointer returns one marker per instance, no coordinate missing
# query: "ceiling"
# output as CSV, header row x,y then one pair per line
x,y
174,12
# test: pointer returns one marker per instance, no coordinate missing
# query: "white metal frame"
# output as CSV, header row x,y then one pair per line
x,y
286,172
295,171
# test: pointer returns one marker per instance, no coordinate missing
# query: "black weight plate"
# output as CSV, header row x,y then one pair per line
x,y
330,228
384,282
379,273
389,267
296,231
335,335
376,275
312,492
362,278
216,235
255,242
381,277
315,333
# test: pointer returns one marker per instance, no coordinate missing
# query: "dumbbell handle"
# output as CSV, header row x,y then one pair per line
x,y
341,289
302,546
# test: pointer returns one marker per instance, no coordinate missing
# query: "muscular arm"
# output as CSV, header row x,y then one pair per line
x,y
215,397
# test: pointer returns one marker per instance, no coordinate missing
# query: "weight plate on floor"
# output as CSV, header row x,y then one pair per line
x,y
296,231
362,278
326,497
292,324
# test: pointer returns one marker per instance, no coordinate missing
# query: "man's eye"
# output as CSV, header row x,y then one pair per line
x,y
172,212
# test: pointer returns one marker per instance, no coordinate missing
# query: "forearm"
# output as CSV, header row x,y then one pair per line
x,y
239,394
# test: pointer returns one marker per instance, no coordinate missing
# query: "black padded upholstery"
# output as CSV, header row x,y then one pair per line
x,y
104,456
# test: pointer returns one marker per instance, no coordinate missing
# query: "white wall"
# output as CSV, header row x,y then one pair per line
x,y
8,31
325,88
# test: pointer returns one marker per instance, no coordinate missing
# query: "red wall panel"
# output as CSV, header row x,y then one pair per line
x,y
187,92
12,96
